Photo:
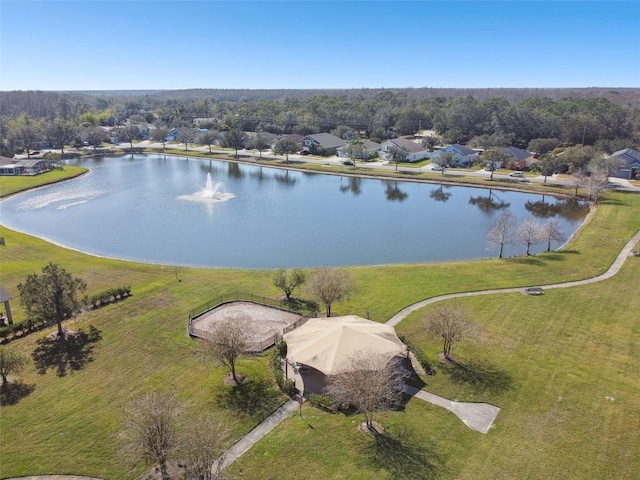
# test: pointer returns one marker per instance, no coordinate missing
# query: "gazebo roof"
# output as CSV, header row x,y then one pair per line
x,y
327,343
4,295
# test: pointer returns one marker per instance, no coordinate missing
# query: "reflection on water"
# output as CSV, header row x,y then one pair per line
x,y
129,208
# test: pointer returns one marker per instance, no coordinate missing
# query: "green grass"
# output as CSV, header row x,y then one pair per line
x,y
580,344
11,185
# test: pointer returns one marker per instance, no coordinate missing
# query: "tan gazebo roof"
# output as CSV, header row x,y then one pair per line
x,y
326,343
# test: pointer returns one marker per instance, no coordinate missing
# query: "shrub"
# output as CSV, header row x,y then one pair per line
x,y
322,401
109,296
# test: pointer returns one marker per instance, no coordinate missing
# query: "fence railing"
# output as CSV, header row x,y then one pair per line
x,y
242,297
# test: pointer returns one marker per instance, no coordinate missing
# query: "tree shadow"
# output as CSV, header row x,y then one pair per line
x,y
524,260
71,353
256,398
479,374
12,393
302,305
403,455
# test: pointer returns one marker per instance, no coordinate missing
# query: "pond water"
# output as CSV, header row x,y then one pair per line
x,y
195,212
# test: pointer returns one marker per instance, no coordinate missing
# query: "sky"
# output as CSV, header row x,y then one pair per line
x,y
171,44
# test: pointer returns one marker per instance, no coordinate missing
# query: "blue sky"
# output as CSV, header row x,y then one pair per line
x,y
108,45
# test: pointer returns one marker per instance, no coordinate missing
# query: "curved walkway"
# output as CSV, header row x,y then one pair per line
x,y
613,269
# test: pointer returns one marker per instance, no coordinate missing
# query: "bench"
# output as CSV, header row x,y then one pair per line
x,y
534,291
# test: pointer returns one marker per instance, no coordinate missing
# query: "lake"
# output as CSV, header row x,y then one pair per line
x,y
156,209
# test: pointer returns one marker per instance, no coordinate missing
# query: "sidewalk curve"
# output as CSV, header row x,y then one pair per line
x,y
613,269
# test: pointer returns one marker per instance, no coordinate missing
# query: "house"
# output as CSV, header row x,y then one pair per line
x,y
111,133
322,143
517,158
27,166
369,149
461,155
415,151
290,136
629,161
144,131
174,133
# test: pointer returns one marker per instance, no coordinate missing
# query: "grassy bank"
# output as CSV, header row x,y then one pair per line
x,y
549,362
11,185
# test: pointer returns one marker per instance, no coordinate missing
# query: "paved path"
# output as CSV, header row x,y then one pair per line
x,y
613,269
251,438
476,416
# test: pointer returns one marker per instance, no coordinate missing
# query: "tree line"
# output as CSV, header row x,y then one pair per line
x,y
607,120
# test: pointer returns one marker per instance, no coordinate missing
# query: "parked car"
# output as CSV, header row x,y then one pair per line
x,y
305,152
348,162
516,174
437,168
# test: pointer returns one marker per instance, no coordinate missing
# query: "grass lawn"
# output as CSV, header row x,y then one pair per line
x,y
11,185
549,362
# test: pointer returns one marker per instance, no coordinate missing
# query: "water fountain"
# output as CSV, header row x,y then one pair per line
x,y
212,192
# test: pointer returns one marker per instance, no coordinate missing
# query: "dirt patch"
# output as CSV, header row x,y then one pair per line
x,y
261,322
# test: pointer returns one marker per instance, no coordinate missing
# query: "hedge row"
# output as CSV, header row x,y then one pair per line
x,y
21,329
108,296
287,386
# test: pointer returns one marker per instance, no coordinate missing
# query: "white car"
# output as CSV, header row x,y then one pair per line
x,y
516,174
437,168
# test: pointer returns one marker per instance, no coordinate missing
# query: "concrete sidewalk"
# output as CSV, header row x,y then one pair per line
x,y
251,438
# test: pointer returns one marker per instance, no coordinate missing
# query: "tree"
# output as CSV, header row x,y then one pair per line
x,y
129,134
159,134
551,232
150,429
501,232
94,136
227,342
59,134
542,146
546,165
443,160
287,282
354,149
493,159
11,362
529,232
449,322
397,155
52,296
201,445
285,146
186,136
208,138
27,136
368,382
596,183
579,158
330,285
261,141
235,139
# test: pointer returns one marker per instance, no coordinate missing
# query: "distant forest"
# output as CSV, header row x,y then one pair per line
x,y
607,118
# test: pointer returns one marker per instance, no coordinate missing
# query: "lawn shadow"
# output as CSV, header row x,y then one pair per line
x,y
479,374
302,305
256,398
11,393
403,455
70,353
524,260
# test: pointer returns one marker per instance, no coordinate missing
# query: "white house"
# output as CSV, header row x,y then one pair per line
x,y
415,151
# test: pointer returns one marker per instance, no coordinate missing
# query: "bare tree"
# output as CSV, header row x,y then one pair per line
x,y
551,232
493,158
288,281
449,322
596,183
529,232
150,425
201,447
397,155
208,138
501,232
11,362
159,134
443,160
368,382
227,342
330,285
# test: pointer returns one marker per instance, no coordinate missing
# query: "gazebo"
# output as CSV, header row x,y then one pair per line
x,y
326,344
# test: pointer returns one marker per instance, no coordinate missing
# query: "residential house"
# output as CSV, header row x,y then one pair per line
x,y
26,166
111,133
322,143
629,163
369,149
291,136
206,120
174,133
415,151
461,155
145,130
517,158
